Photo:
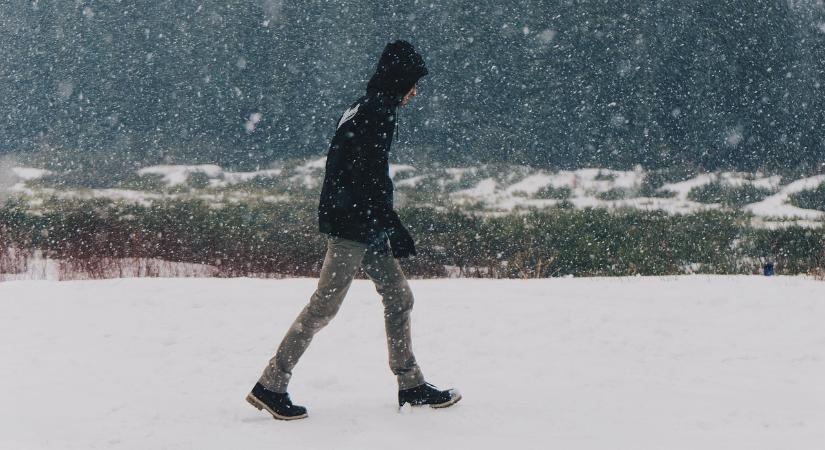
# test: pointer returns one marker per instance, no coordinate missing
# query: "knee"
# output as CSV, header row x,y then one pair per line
x,y
322,313
398,301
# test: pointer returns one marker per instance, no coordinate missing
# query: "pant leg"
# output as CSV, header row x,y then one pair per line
x,y
341,262
397,297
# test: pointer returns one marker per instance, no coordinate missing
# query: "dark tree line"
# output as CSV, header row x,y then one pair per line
x,y
709,84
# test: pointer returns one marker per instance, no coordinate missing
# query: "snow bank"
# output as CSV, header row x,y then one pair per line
x,y
586,184
312,165
310,173
13,178
230,178
589,181
29,173
530,185
734,179
683,188
495,192
395,169
485,188
778,205
410,182
174,175
630,363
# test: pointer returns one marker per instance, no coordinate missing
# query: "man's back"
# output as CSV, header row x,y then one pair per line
x,y
356,198
357,190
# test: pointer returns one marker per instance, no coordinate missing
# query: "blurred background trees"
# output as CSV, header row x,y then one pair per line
x,y
710,84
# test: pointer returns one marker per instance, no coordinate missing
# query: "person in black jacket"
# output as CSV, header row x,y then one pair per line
x,y
356,212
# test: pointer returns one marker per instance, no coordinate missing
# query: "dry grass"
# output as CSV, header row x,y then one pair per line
x,y
13,260
817,273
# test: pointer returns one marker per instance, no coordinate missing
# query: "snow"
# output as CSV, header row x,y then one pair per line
x,y
142,197
174,175
530,185
457,173
782,224
671,206
588,180
129,195
502,190
734,179
546,36
583,183
306,174
230,178
254,118
484,188
410,182
683,188
395,169
29,173
312,165
777,205
671,363
738,179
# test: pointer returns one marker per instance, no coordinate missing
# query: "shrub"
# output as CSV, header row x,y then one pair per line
x,y
281,238
655,179
733,196
553,193
794,250
602,176
150,182
613,194
198,180
261,183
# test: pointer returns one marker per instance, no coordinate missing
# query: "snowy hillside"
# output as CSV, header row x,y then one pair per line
x,y
630,363
485,188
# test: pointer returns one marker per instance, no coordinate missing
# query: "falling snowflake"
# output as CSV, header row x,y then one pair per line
x,y
252,122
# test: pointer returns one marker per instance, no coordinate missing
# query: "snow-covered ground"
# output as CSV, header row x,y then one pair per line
x,y
174,175
777,205
693,362
585,185
503,189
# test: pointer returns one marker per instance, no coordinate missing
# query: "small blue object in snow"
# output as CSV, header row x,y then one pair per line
x,y
767,269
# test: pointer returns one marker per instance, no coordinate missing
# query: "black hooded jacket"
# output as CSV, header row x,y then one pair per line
x,y
356,198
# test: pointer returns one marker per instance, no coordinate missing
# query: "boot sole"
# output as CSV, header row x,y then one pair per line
x,y
449,403
446,404
259,405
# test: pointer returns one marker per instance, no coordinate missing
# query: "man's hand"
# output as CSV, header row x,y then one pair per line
x,y
401,242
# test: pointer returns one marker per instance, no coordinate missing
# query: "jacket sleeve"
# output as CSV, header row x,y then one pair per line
x,y
380,197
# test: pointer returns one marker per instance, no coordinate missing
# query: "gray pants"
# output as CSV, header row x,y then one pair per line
x,y
341,262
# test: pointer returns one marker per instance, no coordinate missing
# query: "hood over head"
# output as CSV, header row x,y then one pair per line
x,y
398,69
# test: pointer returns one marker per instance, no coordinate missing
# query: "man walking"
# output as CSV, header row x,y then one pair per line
x,y
356,212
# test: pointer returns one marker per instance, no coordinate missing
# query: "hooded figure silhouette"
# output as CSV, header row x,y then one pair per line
x,y
356,198
399,68
356,211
